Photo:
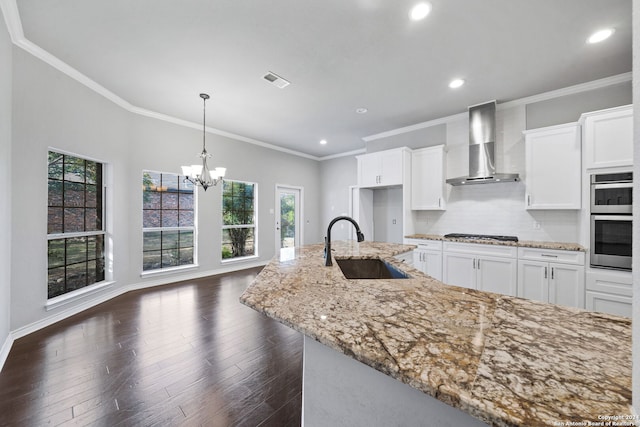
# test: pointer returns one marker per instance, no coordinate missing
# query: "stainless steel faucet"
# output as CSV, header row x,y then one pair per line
x,y
327,239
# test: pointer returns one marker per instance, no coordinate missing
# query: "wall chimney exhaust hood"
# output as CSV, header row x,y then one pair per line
x,y
482,137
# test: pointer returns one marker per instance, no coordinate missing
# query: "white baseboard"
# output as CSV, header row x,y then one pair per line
x,y
4,351
103,297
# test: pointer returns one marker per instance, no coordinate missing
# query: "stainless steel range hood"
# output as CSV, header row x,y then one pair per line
x,y
482,137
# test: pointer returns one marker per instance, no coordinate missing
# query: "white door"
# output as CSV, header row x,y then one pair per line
x,y
288,214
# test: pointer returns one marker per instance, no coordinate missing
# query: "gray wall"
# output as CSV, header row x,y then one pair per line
x,y
567,109
5,178
426,137
55,111
336,176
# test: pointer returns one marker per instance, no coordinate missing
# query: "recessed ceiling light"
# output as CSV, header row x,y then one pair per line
x,y
361,110
323,142
456,83
420,11
601,35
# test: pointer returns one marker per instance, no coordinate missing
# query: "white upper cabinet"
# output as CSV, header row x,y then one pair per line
x,y
428,178
608,136
553,171
382,168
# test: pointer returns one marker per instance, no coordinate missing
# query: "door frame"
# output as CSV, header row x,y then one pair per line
x,y
299,238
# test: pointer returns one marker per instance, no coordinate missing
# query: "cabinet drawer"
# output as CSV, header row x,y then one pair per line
x,y
435,245
551,255
481,250
612,304
610,282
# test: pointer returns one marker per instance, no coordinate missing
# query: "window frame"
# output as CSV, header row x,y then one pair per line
x,y
226,227
104,204
193,229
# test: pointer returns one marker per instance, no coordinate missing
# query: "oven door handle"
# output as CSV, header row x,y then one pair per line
x,y
611,218
606,186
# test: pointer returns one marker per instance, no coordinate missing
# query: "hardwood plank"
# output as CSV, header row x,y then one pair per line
x,y
182,354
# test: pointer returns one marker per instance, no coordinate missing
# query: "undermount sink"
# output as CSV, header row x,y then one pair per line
x,y
370,268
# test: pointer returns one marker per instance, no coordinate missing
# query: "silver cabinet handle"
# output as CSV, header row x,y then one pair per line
x,y
545,272
439,199
552,272
478,264
549,256
474,263
528,200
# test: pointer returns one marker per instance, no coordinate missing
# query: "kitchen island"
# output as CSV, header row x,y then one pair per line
x,y
503,360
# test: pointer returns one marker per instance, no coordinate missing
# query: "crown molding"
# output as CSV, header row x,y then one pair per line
x,y
11,14
570,90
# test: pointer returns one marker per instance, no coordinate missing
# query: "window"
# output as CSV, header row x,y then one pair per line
x,y
238,219
75,224
168,221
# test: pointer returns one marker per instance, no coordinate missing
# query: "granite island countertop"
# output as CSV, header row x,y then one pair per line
x,y
504,360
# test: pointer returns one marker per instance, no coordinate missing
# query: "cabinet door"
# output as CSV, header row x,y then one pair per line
x,y
609,138
566,285
433,264
553,168
391,167
369,170
459,269
427,178
419,260
533,280
497,275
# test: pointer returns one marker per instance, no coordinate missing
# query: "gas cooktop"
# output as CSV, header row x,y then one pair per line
x,y
482,237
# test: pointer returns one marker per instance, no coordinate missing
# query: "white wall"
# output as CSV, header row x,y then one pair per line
x,y
5,177
53,110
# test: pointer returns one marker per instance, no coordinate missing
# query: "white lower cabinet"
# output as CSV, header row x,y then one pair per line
x,y
491,268
560,281
427,257
609,291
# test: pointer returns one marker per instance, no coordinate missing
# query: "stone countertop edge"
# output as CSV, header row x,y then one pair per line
x,y
504,360
535,244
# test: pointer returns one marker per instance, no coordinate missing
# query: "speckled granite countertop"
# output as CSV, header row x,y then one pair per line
x,y
505,360
523,243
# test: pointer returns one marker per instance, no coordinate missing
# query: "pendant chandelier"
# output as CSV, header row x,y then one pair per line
x,y
201,175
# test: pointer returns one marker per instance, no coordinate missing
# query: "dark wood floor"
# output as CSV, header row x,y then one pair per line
x,y
182,354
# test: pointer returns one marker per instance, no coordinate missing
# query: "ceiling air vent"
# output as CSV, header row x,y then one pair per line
x,y
276,80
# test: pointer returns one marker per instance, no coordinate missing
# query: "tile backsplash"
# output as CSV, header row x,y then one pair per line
x,y
498,209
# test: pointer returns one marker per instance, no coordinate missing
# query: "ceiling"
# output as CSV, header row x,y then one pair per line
x,y
339,55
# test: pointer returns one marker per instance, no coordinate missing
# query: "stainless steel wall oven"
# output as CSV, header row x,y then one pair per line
x,y
611,201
